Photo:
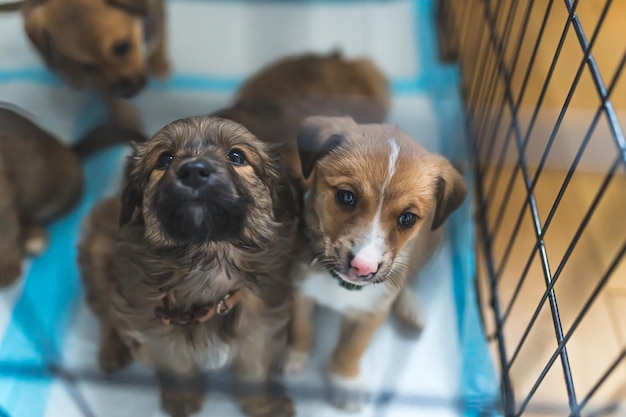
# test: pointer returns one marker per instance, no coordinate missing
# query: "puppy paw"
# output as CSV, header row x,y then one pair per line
x,y
274,406
130,119
35,240
114,355
124,114
409,312
35,246
10,270
160,67
348,394
178,403
295,362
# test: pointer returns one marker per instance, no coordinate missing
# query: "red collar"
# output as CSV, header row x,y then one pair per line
x,y
197,315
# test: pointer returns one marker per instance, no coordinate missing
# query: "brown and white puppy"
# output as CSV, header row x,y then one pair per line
x,y
112,46
41,179
373,219
197,277
273,102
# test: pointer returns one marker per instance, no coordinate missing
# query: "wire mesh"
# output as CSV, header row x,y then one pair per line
x,y
544,98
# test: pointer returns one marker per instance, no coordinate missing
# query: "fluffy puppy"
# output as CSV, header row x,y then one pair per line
x,y
373,219
197,277
40,180
273,102
112,46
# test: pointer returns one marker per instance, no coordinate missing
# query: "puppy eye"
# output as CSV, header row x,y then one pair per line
x,y
346,198
121,48
164,160
237,157
407,220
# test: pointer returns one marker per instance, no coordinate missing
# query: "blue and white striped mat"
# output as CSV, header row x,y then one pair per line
x,y
48,338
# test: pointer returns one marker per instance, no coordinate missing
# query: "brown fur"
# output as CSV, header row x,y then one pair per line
x,y
341,154
127,270
40,180
356,85
274,101
101,45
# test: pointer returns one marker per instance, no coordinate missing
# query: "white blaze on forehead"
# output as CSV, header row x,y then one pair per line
x,y
393,161
376,236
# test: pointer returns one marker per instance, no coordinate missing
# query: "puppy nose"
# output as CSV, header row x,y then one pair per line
x,y
194,174
365,262
127,87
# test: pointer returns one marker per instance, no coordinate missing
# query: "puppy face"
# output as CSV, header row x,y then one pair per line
x,y
101,44
203,179
375,189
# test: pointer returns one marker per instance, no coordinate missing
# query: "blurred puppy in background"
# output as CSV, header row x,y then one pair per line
x,y
273,102
112,46
354,85
373,218
41,179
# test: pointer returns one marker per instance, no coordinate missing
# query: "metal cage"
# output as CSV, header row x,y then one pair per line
x,y
544,94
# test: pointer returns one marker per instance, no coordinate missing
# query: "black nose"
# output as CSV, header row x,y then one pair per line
x,y
128,87
194,174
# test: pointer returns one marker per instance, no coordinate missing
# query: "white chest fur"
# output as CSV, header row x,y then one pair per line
x,y
175,352
326,291
217,357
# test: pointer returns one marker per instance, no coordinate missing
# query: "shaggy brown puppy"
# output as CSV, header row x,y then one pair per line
x,y
197,276
40,180
273,102
112,46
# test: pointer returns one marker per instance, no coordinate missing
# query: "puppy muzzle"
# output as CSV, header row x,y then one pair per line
x,y
198,202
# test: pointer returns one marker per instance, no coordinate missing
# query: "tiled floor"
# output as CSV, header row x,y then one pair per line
x,y
601,335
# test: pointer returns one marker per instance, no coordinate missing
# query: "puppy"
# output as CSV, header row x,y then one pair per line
x,y
373,217
273,102
357,86
197,277
40,180
112,46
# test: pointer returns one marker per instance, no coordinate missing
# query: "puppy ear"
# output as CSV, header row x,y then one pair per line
x,y
286,196
134,7
131,199
319,135
450,192
132,195
34,26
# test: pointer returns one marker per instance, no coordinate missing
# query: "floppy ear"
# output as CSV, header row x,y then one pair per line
x,y
131,199
34,26
319,135
132,195
134,7
287,197
450,192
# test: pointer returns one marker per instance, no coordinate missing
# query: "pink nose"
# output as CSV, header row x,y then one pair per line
x,y
365,261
